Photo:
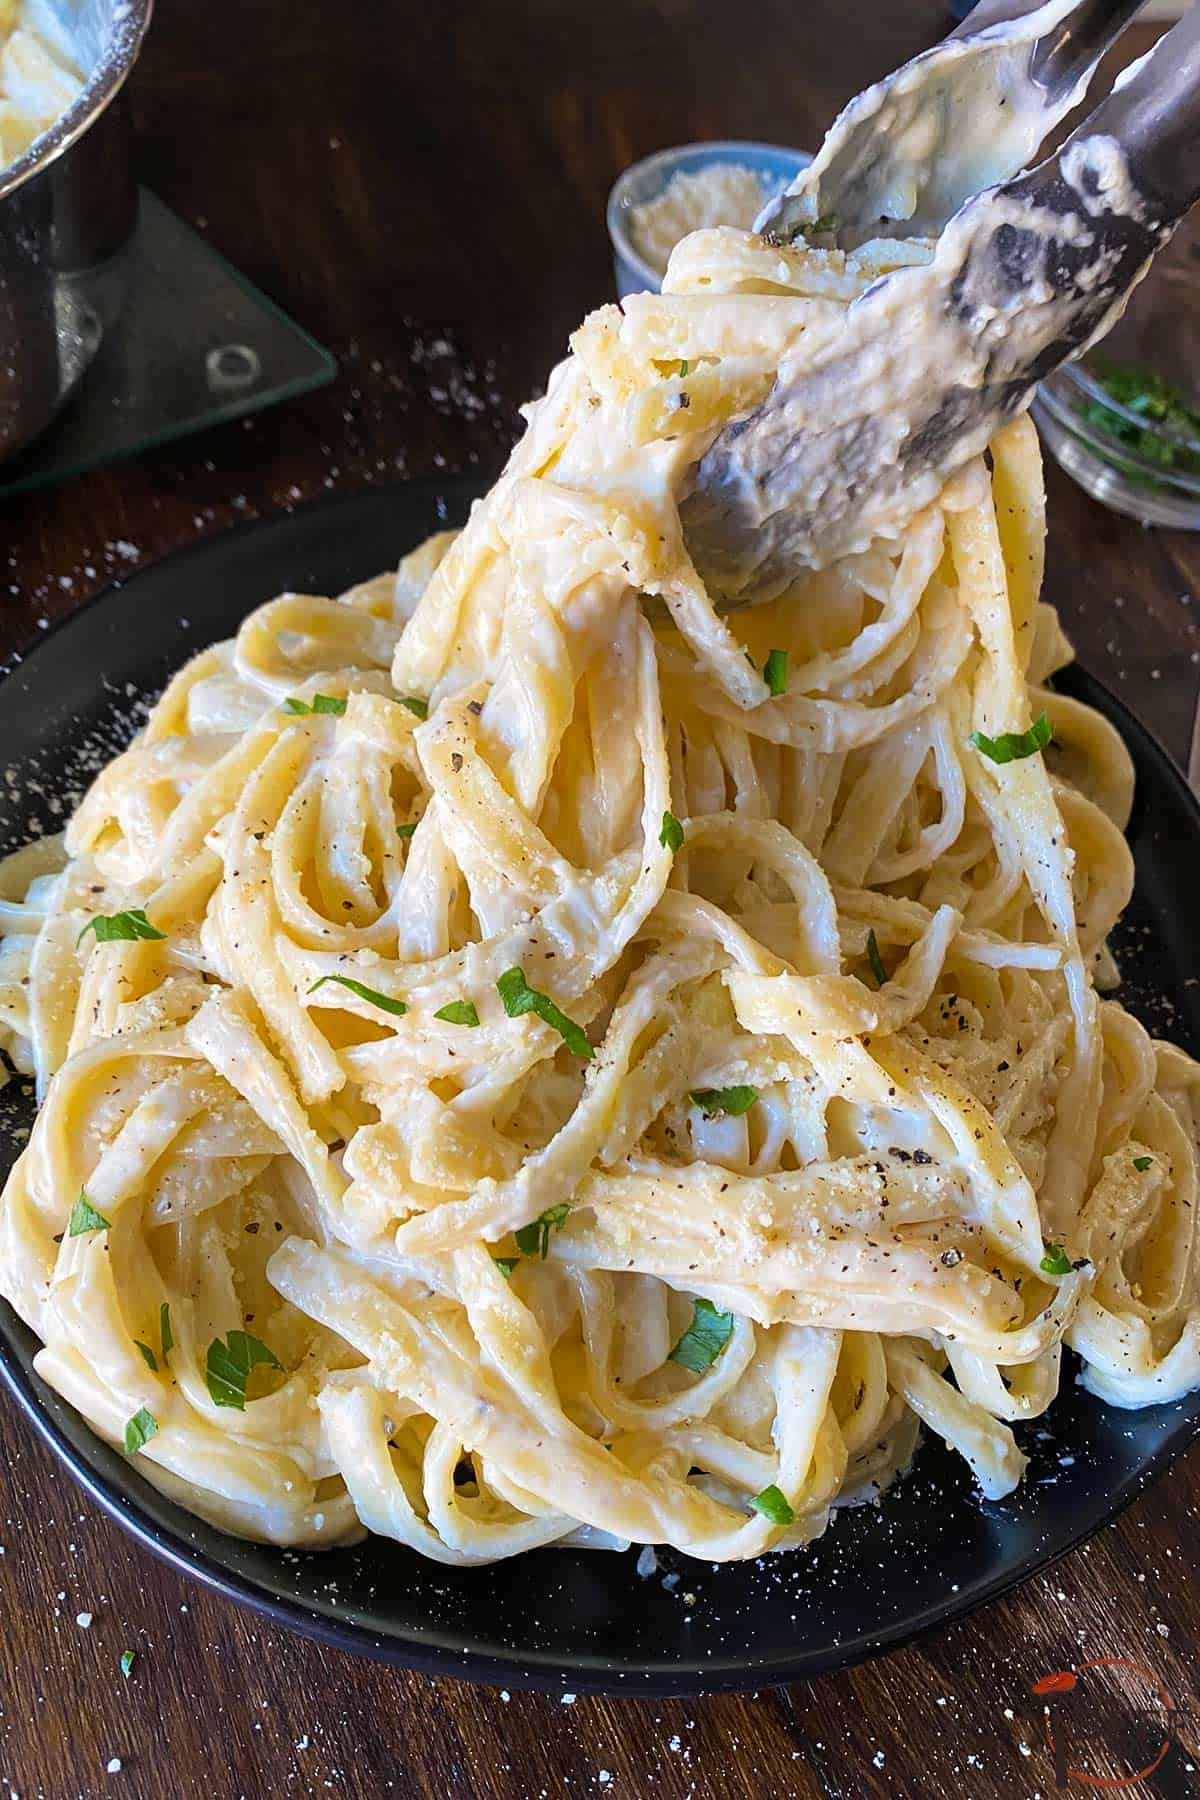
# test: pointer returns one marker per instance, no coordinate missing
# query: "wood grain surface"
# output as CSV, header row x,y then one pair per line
x,y
423,187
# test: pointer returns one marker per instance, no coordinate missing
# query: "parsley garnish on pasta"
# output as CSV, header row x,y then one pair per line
x,y
139,1430
704,1339
519,998
534,1239
229,1363
458,1012
730,1101
774,1505
111,928
320,703
775,672
387,1002
1014,746
85,1218
876,961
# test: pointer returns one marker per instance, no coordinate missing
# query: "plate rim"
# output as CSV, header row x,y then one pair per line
x,y
436,1651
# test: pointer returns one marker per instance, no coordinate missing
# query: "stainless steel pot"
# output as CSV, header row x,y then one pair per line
x,y
68,209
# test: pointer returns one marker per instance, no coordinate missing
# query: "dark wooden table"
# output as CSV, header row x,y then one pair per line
x,y
424,187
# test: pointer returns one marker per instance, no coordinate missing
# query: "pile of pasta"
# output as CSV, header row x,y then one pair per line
x,y
527,1056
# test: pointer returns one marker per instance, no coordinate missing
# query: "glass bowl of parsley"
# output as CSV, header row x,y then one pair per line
x,y
1125,419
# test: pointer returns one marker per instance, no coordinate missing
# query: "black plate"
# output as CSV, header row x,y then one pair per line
x,y
566,1619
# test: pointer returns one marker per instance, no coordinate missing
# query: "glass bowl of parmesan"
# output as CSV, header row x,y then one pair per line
x,y
659,200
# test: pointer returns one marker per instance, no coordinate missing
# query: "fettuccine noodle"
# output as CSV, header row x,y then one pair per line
x,y
478,1281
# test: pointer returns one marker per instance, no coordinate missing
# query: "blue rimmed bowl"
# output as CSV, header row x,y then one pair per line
x,y
643,181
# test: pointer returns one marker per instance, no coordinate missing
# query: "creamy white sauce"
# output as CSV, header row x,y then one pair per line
x,y
912,149
857,438
827,463
1109,188
37,83
723,194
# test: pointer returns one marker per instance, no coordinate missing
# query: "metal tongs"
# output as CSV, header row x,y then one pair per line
x,y
1024,274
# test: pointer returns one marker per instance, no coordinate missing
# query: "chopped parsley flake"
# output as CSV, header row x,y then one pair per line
x,y
139,1430
814,228
732,1101
773,1505
85,1218
506,1265
458,1012
1170,436
148,1356
534,1239
671,835
164,1330
370,994
775,671
1142,1163
128,1657
406,831
1056,1261
415,705
875,960
321,703
704,1339
1014,746
228,1365
518,998
112,928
